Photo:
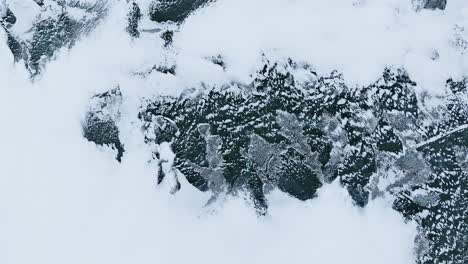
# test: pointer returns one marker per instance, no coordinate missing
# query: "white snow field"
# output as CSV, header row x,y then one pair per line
x,y
62,200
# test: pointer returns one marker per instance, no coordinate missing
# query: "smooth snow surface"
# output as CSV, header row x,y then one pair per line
x,y
3,8
359,38
62,200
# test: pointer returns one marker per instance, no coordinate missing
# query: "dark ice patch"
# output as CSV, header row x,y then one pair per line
x,y
100,124
174,10
50,33
134,16
435,4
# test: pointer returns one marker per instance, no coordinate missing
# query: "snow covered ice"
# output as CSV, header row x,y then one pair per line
x,y
229,131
